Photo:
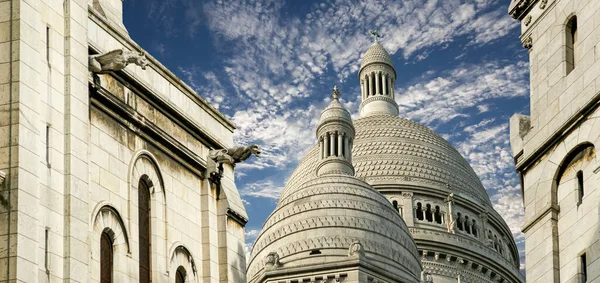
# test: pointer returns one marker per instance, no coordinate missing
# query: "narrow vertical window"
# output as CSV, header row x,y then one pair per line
x,y
579,187
144,231
48,45
46,252
459,223
419,211
438,215
395,204
474,228
428,214
106,258
467,225
583,263
571,44
48,145
180,275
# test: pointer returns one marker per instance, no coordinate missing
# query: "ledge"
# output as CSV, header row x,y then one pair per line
x,y
518,8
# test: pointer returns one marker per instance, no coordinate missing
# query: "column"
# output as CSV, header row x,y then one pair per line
x,y
385,85
350,150
326,145
332,144
362,89
390,86
371,81
377,86
346,149
321,148
340,137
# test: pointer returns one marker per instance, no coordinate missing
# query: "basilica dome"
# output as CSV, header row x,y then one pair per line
x,y
317,223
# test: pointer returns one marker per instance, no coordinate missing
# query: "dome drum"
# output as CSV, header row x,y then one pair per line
x,y
331,166
378,105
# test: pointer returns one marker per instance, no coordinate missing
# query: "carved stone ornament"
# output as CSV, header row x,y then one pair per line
x,y
228,156
450,197
426,277
2,177
272,260
528,42
116,60
452,226
543,4
527,20
356,249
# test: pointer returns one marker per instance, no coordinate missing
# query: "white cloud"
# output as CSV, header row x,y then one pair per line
x,y
262,189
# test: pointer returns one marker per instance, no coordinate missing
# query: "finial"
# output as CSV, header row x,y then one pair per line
x,y
375,35
336,93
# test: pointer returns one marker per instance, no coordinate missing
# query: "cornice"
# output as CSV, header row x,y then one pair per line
x,y
124,39
237,217
519,8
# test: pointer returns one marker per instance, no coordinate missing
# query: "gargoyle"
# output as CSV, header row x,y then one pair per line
x,y
230,156
356,249
272,260
116,60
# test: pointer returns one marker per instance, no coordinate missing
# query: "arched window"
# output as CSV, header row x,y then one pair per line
x,y
459,223
571,44
437,215
419,211
106,258
144,231
180,275
428,214
579,187
395,204
467,225
474,228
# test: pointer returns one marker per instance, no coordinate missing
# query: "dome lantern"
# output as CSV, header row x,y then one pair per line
x,y
377,78
335,134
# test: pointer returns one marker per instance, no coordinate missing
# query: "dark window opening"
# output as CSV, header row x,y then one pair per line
x,y
437,215
583,263
571,44
467,225
579,187
315,252
428,214
474,228
106,258
144,231
395,204
459,223
419,211
180,275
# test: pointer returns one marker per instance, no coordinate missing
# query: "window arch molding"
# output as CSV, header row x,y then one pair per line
x,y
144,167
180,256
570,29
107,220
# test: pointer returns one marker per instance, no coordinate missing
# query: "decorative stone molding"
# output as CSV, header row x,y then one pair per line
x,y
272,261
356,250
528,43
543,4
527,20
2,177
518,8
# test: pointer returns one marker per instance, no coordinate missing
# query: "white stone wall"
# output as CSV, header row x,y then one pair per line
x,y
75,170
557,229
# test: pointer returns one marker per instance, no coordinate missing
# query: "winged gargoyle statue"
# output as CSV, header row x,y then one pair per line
x,y
230,156
114,61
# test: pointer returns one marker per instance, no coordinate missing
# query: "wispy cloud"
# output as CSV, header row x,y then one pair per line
x,y
262,189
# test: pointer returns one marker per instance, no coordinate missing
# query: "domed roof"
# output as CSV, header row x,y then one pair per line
x,y
317,222
389,150
335,110
376,53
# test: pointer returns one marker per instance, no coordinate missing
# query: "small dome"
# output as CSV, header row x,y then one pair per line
x,y
376,54
335,111
321,221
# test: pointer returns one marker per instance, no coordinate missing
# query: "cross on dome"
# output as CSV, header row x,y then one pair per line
x,y
336,93
375,35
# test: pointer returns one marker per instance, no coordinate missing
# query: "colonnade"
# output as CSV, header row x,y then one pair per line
x,y
377,83
335,144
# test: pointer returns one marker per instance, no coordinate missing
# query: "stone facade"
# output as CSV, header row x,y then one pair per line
x,y
555,147
77,147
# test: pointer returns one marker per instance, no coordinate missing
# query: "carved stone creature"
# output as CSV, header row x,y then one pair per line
x,y
234,155
426,277
356,249
272,260
116,60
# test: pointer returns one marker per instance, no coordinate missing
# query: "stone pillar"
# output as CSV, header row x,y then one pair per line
x,y
350,141
321,148
362,89
340,138
377,86
371,81
392,88
385,85
332,144
347,150
407,205
326,145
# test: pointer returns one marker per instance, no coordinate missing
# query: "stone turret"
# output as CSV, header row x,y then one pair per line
x,y
377,77
335,134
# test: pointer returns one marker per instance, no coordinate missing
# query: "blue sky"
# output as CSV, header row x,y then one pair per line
x,y
270,66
